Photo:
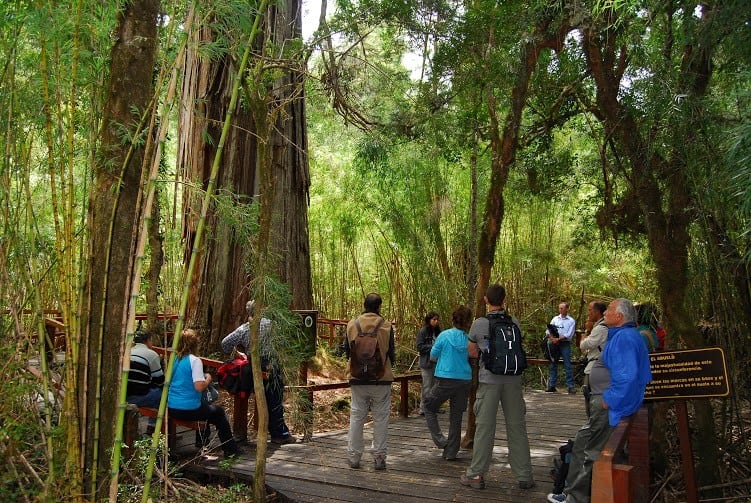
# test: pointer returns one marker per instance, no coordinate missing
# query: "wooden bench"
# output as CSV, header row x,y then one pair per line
x,y
169,426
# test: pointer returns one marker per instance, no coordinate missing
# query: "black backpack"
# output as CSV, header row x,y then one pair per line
x,y
559,472
505,354
366,360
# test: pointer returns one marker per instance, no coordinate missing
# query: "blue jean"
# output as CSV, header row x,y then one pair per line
x,y
213,415
566,356
150,399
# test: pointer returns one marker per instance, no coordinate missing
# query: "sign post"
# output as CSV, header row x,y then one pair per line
x,y
681,375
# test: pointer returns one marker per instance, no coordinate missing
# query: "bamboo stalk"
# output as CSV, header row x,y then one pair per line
x,y
64,249
198,242
140,250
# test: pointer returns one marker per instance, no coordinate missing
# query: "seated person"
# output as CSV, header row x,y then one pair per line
x,y
188,382
146,376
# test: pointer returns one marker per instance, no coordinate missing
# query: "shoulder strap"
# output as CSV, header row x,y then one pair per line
x,y
359,328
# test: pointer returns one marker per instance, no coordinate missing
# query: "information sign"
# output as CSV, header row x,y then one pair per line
x,y
691,373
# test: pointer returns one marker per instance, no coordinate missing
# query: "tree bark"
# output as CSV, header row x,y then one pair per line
x,y
114,211
220,284
665,207
503,146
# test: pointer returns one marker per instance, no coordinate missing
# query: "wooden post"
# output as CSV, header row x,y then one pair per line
x,y
687,455
623,484
638,454
404,398
240,418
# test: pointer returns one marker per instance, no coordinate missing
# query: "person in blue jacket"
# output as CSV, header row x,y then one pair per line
x,y
453,376
618,380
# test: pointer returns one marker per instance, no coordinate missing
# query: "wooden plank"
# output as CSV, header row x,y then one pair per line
x,y
318,470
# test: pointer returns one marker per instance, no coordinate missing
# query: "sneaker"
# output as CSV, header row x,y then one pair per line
x,y
289,439
526,484
556,498
380,462
441,441
551,390
476,482
571,390
354,464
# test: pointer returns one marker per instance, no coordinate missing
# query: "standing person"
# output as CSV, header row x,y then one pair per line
x,y
492,389
593,343
453,378
618,380
188,382
566,326
273,382
425,339
646,323
371,389
145,377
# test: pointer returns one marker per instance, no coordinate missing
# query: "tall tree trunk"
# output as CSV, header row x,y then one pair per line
x,y
666,208
114,215
218,287
220,284
289,160
503,146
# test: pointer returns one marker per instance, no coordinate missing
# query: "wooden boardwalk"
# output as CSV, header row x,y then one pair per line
x,y
317,471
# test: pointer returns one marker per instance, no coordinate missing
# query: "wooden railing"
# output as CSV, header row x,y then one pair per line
x,y
240,405
622,475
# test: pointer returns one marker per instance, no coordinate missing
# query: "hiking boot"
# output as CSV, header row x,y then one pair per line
x,y
289,439
526,484
441,441
354,464
380,462
556,498
449,456
551,390
571,390
476,482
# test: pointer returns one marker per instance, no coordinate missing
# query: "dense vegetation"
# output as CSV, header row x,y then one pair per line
x,y
568,150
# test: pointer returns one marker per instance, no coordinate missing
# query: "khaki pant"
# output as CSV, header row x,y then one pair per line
x,y
511,398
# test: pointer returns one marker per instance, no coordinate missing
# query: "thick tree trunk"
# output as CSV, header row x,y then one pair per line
x,y
666,209
217,297
220,286
114,215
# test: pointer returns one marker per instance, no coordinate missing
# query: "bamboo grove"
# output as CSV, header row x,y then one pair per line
x,y
183,157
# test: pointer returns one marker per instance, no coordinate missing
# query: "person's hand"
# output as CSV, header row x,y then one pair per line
x,y
604,405
208,378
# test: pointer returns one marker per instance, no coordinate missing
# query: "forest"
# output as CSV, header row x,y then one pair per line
x,y
185,157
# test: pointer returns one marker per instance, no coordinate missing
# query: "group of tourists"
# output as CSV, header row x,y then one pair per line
x,y
187,399
617,373
616,342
